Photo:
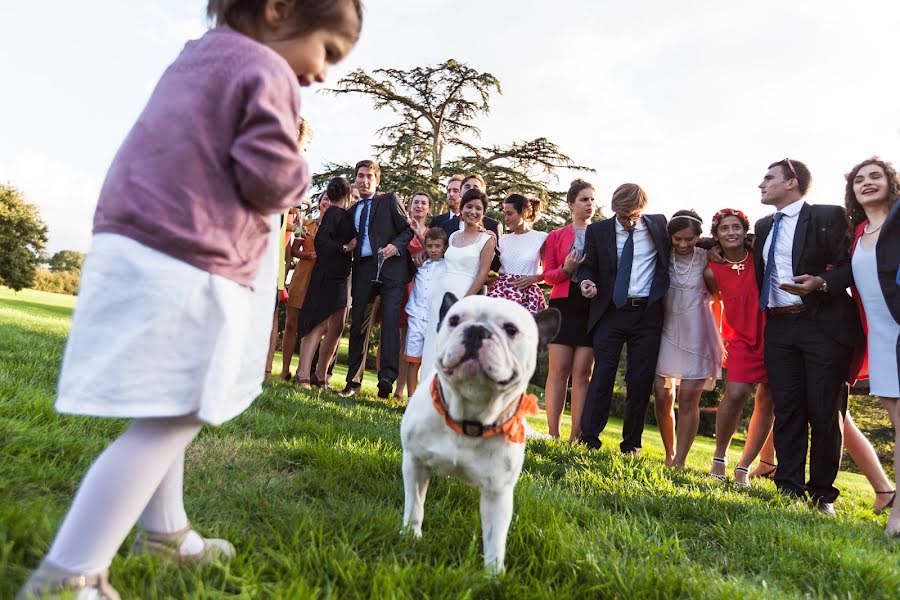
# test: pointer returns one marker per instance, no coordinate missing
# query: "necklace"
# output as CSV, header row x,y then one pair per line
x,y
685,272
739,265
866,229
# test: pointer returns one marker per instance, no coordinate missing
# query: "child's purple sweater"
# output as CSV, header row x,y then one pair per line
x,y
211,157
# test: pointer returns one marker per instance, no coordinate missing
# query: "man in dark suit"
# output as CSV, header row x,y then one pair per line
x,y
382,227
625,273
449,221
812,327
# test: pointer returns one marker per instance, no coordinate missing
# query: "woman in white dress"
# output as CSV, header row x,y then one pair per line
x,y
690,353
873,188
467,264
521,254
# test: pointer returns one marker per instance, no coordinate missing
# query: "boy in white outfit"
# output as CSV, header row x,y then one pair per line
x,y
419,305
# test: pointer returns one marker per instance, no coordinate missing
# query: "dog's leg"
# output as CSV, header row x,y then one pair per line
x,y
415,486
496,515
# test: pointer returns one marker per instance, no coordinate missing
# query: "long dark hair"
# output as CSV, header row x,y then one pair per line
x,y
855,212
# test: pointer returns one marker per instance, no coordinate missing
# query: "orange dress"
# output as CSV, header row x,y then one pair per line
x,y
300,278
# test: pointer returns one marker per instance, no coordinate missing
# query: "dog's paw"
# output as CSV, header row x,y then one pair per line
x,y
407,530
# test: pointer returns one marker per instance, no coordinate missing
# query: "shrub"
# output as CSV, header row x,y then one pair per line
x,y
59,282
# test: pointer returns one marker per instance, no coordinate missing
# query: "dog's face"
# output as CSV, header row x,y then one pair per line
x,y
488,345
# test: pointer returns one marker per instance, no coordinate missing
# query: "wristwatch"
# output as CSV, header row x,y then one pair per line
x,y
823,288
344,248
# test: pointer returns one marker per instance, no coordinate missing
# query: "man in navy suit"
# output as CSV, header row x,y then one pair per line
x,y
625,273
382,228
812,327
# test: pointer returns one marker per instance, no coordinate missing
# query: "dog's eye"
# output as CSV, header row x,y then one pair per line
x,y
510,329
453,321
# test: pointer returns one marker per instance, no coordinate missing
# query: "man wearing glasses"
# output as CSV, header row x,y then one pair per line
x,y
625,273
811,330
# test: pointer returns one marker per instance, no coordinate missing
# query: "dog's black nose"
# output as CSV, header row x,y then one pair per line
x,y
473,336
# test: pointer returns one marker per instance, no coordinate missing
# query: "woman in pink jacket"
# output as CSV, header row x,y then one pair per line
x,y
571,352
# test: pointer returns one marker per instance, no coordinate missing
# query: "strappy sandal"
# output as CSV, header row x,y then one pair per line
x,y
719,461
168,546
51,582
890,504
741,484
770,474
285,377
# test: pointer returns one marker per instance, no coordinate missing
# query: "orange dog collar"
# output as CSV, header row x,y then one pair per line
x,y
513,428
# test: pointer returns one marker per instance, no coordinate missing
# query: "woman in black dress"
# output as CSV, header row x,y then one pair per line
x,y
325,307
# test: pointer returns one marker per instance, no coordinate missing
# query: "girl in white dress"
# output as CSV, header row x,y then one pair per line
x,y
872,191
467,264
176,297
521,255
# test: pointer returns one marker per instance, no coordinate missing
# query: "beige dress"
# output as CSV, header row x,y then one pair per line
x,y
691,347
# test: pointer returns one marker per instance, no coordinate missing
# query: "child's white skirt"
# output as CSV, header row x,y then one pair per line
x,y
153,336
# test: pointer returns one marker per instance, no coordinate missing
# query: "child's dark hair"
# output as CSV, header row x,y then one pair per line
x,y
473,195
309,15
436,233
337,189
575,188
527,207
684,219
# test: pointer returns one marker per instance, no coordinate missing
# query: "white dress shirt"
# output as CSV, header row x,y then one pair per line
x,y
644,263
784,256
419,304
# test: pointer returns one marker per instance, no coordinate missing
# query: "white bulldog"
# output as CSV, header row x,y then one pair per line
x,y
467,417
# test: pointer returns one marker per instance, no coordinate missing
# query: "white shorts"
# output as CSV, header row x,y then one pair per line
x,y
415,338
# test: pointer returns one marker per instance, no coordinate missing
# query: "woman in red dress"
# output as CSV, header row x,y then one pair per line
x,y
742,332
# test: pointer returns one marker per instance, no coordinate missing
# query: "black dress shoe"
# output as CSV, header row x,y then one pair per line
x,y
348,392
385,387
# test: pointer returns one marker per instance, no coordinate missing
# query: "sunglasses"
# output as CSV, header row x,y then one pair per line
x,y
791,167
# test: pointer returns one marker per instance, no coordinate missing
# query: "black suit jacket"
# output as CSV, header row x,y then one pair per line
x,y
451,223
388,224
887,258
601,262
821,247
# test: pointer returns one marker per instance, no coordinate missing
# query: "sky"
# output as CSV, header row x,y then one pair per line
x,y
690,99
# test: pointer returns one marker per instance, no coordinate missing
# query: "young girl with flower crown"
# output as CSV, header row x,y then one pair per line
x,y
187,214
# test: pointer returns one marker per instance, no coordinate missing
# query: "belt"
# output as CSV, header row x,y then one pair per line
x,y
794,309
362,259
635,302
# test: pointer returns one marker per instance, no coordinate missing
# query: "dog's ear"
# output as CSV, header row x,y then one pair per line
x,y
449,300
548,322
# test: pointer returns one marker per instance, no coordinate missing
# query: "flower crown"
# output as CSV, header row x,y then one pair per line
x,y
729,212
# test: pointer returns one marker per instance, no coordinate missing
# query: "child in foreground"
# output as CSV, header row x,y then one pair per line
x,y
188,214
419,305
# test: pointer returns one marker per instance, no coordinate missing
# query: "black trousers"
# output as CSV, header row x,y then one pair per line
x,y
365,296
640,331
807,372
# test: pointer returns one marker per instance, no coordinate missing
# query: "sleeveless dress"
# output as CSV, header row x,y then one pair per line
x,y
461,266
300,278
742,322
883,330
690,346
520,256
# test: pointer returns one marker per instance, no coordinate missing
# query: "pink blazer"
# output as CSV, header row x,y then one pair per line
x,y
556,248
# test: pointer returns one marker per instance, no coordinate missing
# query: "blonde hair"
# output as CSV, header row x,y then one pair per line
x,y
629,197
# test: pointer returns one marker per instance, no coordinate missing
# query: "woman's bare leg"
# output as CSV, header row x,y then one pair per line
x,y
334,329
760,426
402,368
582,367
560,365
728,417
688,418
663,406
863,454
892,406
289,341
308,346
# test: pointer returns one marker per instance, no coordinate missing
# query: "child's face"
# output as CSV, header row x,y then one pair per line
x,y
435,249
309,54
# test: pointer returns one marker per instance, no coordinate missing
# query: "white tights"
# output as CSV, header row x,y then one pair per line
x,y
138,475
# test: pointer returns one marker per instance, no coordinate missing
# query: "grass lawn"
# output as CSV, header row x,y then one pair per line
x,y
309,489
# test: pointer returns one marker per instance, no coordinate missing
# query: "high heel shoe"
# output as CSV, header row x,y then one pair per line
x,y
887,506
770,474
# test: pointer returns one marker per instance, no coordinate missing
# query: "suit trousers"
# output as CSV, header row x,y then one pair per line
x,y
640,331
807,370
365,293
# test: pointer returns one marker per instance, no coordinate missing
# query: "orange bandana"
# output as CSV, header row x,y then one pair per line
x,y
513,428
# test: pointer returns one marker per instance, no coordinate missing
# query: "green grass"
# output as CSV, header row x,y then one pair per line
x,y
308,487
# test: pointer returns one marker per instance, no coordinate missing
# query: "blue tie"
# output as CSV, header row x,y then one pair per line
x,y
623,274
770,264
363,226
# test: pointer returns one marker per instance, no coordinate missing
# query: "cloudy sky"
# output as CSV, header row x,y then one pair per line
x,y
691,99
